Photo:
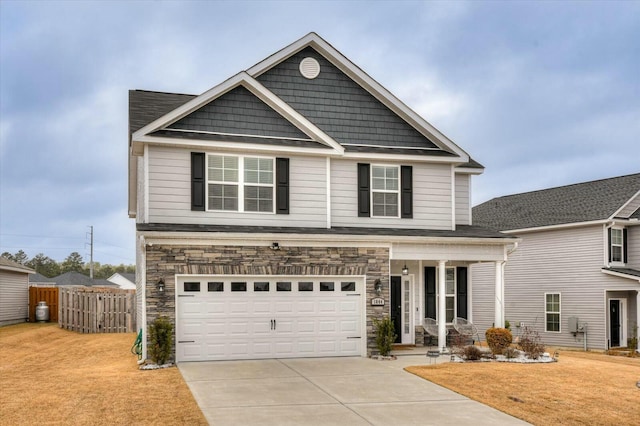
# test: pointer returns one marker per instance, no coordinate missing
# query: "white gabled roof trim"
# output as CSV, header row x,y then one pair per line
x,y
368,83
261,92
224,145
624,206
572,225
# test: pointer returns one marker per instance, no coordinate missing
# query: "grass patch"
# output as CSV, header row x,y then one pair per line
x,y
581,388
55,376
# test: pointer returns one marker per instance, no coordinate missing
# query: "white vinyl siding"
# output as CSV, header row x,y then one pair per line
x,y
431,197
14,297
170,193
567,261
633,247
463,199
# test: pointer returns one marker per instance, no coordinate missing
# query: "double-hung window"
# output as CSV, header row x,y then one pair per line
x,y
385,191
239,183
617,242
552,312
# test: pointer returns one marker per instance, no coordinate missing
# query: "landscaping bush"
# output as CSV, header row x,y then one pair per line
x,y
385,335
510,353
498,339
471,353
531,343
160,340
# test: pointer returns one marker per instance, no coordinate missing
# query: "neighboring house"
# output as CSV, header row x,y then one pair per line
x,y
14,292
576,272
125,281
281,211
71,278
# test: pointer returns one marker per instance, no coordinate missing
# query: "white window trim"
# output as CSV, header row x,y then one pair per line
x,y
241,183
621,245
553,312
386,191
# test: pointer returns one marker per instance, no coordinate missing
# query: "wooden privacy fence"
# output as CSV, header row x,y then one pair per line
x,y
43,294
97,310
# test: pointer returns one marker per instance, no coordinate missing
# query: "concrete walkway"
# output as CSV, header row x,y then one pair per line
x,y
329,391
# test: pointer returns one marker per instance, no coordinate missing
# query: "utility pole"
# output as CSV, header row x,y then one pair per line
x,y
91,253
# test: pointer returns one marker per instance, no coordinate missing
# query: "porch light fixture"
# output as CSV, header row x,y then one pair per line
x,y
377,285
275,246
405,270
161,285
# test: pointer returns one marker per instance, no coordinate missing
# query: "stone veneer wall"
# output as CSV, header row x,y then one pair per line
x,y
166,261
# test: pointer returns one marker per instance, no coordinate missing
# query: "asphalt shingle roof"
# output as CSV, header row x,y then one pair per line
x,y
13,265
581,202
146,106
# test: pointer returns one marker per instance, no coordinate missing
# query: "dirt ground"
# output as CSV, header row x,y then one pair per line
x,y
582,388
54,376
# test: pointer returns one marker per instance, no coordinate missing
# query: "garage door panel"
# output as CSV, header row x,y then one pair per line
x,y
221,325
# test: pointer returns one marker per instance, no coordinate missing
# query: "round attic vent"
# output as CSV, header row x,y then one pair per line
x,y
309,68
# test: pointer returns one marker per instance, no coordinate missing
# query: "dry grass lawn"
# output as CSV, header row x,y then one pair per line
x,y
582,388
53,376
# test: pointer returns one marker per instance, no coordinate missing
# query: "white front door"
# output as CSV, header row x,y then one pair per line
x,y
248,317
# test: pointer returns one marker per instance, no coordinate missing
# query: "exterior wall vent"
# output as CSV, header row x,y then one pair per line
x,y
309,68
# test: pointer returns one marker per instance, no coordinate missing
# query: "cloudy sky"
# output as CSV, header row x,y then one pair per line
x,y
541,93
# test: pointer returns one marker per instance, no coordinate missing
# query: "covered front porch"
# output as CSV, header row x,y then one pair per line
x,y
432,281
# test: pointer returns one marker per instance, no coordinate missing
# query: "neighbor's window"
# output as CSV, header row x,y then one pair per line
x,y
552,312
385,191
616,245
240,183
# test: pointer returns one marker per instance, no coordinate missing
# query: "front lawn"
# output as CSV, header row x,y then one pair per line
x,y
54,376
581,388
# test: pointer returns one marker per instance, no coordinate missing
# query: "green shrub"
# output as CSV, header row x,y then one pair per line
x,y
160,340
471,353
531,343
498,339
385,335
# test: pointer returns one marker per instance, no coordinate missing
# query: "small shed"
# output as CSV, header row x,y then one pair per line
x,y
14,292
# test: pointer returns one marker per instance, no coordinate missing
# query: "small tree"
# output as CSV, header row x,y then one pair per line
x,y
498,339
385,334
160,340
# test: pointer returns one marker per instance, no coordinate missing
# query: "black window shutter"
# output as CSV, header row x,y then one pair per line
x,y
363,190
430,292
197,181
461,293
624,245
406,193
282,186
609,245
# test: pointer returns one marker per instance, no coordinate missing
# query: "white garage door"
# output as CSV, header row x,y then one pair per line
x,y
239,317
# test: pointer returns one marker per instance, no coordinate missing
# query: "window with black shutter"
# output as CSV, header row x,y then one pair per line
x,y
197,181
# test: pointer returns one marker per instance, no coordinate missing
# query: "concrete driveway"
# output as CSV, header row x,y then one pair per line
x,y
329,391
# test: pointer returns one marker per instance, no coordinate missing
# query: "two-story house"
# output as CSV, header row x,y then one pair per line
x,y
282,210
575,277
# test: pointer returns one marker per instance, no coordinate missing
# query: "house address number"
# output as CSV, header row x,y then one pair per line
x,y
378,301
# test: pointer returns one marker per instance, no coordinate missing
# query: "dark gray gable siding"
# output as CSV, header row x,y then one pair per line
x,y
239,112
339,106
582,202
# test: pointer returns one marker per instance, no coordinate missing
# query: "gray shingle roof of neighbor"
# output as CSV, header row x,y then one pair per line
x,y
130,276
39,278
462,231
73,278
581,202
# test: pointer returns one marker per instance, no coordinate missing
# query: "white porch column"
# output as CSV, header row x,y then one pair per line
x,y
499,300
442,306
